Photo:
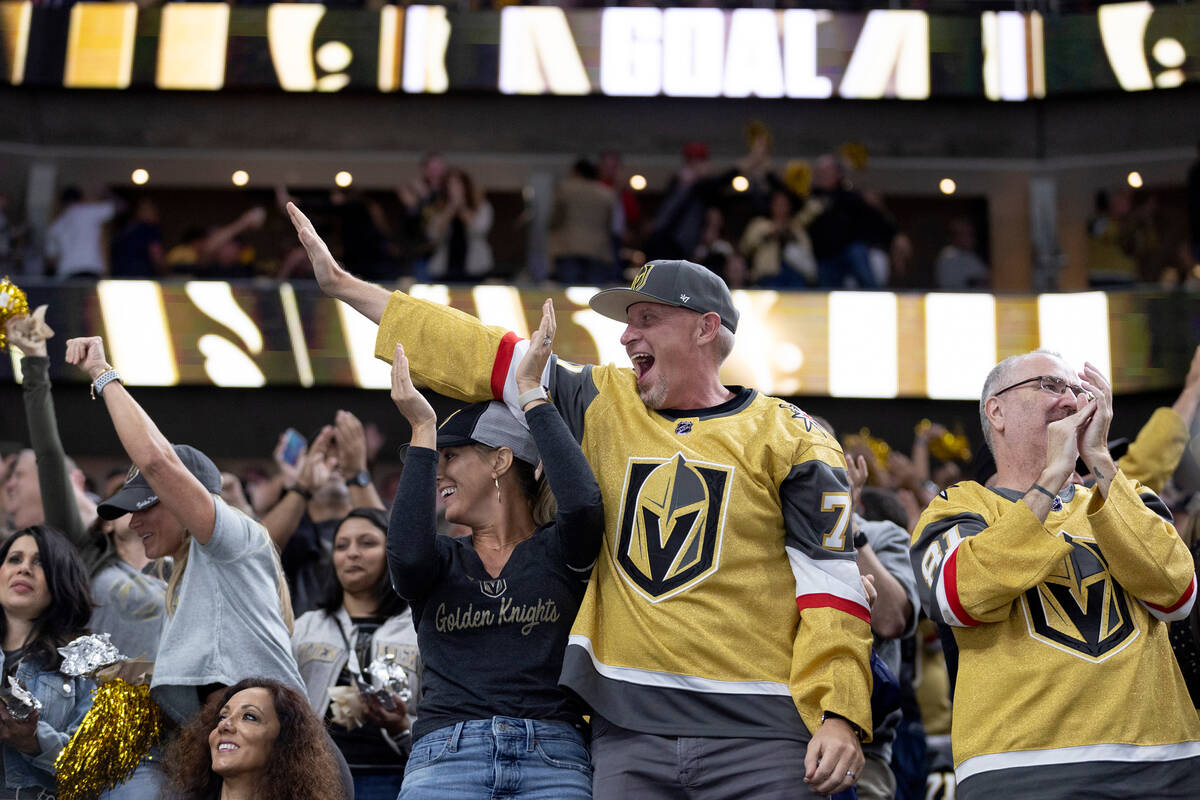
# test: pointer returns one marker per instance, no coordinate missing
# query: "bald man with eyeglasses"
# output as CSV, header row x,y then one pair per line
x,y
1059,597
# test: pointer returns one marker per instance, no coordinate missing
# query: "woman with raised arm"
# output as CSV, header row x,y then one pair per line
x,y
231,617
493,609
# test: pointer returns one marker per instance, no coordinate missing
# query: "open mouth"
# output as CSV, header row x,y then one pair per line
x,y
449,490
226,747
642,362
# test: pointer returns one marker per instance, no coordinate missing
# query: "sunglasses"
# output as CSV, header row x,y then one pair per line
x,y
1047,383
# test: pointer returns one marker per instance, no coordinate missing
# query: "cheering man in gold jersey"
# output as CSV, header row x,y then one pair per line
x,y
723,644
1059,595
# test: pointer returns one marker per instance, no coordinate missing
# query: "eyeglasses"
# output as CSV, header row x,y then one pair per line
x,y
1047,383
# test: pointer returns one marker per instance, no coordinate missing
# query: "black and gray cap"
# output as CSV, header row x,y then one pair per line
x,y
136,494
673,283
490,424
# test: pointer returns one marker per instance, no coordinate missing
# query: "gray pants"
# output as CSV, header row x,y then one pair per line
x,y
628,764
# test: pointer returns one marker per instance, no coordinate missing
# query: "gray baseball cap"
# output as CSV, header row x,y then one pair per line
x,y
490,424
136,494
673,283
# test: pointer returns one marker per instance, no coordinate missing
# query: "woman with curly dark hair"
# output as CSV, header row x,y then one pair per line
x,y
45,602
258,738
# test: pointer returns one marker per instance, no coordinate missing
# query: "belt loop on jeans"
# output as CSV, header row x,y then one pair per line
x,y
454,737
529,736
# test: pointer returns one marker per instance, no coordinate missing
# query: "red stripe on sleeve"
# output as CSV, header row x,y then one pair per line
x,y
1187,595
822,600
504,354
950,578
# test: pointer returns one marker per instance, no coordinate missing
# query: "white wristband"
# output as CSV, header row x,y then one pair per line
x,y
537,393
104,379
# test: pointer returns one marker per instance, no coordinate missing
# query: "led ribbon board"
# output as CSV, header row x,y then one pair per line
x,y
681,52
841,344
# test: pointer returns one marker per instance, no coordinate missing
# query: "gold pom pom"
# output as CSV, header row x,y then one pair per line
x,y
12,304
117,733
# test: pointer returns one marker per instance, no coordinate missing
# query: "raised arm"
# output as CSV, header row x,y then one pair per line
x,y
352,461
178,490
315,467
58,496
580,510
365,298
412,529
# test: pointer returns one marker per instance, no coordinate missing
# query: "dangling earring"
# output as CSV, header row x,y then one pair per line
x,y
496,481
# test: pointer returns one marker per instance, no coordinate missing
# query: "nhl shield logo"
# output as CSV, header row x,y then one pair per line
x,y
1080,608
671,524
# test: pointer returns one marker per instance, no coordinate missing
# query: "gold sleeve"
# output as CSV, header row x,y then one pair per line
x,y
1153,456
449,351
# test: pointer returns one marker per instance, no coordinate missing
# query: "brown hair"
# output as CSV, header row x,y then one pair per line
x,y
301,765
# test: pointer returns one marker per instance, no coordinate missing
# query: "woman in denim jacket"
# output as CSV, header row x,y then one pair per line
x,y
44,595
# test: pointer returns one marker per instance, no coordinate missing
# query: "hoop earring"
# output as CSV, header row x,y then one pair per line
x,y
496,481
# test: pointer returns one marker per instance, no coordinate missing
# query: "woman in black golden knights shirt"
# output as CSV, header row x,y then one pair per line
x,y
493,610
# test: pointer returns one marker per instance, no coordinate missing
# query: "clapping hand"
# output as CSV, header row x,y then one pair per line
x,y
351,444
318,463
1093,435
533,365
411,403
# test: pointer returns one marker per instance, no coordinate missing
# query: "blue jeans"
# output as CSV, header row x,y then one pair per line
x,y
499,757
146,782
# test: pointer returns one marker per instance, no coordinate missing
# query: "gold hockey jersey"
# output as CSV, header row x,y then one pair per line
x,y
1064,659
726,599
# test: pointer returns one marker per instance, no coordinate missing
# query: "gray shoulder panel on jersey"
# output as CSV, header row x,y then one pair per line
x,y
968,524
572,390
816,503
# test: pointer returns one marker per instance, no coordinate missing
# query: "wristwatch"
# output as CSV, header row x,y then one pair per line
x,y
362,479
536,393
858,732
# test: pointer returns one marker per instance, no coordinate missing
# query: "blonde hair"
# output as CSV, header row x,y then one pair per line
x,y
281,587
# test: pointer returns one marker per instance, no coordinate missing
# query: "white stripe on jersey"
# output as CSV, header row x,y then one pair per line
x,y
1083,754
948,616
668,680
1179,613
836,576
510,379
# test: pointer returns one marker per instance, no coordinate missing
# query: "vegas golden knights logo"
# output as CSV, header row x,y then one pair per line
x,y
671,523
640,280
1080,607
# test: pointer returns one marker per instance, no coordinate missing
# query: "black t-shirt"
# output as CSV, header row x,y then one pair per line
x,y
494,646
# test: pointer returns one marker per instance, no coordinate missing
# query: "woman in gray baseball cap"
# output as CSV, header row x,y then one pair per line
x,y
229,614
493,610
